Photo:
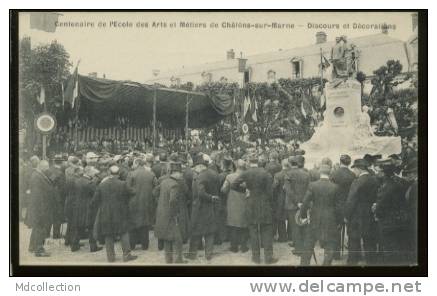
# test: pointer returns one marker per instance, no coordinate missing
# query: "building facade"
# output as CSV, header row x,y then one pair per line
x,y
301,62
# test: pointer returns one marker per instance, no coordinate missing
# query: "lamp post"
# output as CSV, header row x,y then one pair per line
x,y
187,110
155,73
154,116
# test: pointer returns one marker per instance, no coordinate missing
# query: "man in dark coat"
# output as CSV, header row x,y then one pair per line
x,y
172,214
222,233
236,211
83,212
391,212
273,166
343,177
358,214
188,174
296,183
57,175
41,208
160,167
25,184
72,172
324,219
111,199
205,211
140,183
279,213
411,196
257,183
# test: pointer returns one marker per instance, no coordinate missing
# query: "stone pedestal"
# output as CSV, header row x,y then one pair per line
x,y
338,133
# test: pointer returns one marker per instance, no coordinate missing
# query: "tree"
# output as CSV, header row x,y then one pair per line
x,y
384,96
45,65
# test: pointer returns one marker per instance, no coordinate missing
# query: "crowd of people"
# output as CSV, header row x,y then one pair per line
x,y
193,201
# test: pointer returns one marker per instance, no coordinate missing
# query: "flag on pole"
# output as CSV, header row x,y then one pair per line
x,y
72,89
302,109
324,62
392,119
44,21
41,98
63,95
253,109
246,106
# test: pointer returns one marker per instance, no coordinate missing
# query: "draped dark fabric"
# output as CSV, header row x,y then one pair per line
x,y
110,103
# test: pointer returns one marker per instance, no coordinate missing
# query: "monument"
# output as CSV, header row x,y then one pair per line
x,y
346,127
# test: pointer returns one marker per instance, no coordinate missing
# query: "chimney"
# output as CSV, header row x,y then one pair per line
x,y
414,20
321,37
230,54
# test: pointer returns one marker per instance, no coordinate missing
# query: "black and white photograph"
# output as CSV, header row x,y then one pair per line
x,y
218,138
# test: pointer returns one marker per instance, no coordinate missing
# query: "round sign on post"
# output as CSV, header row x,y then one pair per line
x,y
45,123
245,128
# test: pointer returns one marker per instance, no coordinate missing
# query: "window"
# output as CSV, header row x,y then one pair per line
x,y
271,76
296,70
246,76
296,65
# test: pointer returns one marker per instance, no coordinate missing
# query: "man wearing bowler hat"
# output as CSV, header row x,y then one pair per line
x,y
343,177
111,198
56,174
140,183
323,198
205,207
172,214
391,213
358,214
222,234
257,183
83,214
296,183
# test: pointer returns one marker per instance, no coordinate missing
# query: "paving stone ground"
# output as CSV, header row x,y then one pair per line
x,y
61,254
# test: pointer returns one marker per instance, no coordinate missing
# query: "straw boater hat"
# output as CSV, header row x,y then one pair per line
x,y
58,158
199,159
90,171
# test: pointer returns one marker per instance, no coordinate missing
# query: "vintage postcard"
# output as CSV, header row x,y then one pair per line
x,y
211,138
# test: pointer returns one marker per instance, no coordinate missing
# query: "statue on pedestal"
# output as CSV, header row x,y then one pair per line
x,y
344,59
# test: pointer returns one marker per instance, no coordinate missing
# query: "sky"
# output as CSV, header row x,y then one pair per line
x,y
131,53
